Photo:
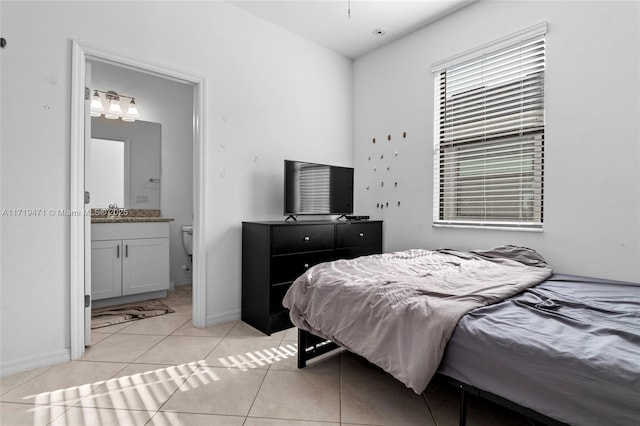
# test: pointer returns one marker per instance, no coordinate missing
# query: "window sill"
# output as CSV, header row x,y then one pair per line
x,y
492,227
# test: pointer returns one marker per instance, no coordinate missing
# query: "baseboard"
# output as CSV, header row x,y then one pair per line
x,y
29,363
223,317
121,300
181,282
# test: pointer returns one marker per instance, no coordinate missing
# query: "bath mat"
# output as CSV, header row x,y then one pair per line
x,y
110,315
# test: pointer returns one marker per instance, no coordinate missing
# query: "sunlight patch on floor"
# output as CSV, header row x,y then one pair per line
x,y
120,400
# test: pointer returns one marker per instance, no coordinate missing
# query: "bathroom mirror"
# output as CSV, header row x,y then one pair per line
x,y
124,165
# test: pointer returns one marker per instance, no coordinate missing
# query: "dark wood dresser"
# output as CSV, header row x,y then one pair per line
x,y
274,254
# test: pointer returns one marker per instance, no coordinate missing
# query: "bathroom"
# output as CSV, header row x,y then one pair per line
x,y
167,106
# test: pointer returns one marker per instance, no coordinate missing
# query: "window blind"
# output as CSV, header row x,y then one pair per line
x,y
489,141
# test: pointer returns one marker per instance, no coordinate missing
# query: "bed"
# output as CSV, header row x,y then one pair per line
x,y
417,314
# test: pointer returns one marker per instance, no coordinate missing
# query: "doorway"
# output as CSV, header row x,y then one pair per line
x,y
80,247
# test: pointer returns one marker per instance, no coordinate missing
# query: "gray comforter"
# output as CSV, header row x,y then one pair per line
x,y
398,310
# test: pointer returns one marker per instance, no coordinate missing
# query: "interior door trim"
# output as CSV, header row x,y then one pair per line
x,y
81,52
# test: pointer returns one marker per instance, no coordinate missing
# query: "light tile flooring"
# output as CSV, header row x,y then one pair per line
x,y
162,371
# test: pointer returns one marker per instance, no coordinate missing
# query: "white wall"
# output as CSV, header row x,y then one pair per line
x,y
169,103
270,95
592,149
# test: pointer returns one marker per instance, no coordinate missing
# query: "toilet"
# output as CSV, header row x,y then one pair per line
x,y
187,240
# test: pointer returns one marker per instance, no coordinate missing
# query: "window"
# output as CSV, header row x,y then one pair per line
x,y
489,135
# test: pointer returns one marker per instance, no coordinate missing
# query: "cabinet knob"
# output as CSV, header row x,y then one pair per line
x,y
306,266
362,234
306,238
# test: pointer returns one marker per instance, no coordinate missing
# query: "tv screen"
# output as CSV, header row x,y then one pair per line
x,y
311,188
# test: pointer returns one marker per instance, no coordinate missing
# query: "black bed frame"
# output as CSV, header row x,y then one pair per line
x,y
311,346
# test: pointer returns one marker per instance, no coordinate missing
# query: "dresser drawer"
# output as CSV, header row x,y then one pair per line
x,y
280,321
277,294
298,238
288,267
358,234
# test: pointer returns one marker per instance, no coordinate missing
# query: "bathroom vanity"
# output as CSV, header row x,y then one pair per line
x,y
129,260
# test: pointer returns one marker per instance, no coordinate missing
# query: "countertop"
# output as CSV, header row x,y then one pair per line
x,y
122,215
125,219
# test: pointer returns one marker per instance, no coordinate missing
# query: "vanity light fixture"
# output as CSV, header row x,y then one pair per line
x,y
114,110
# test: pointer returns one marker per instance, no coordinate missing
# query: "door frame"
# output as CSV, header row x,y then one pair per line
x,y
79,252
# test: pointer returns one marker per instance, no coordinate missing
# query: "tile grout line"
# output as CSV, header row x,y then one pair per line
x,y
433,418
340,387
195,370
198,367
246,417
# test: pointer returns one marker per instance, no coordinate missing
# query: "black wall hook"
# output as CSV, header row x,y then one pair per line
x,y
3,42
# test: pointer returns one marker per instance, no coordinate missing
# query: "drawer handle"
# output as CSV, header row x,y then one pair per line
x,y
361,234
306,266
306,238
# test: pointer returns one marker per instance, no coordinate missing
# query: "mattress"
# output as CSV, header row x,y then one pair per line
x,y
568,348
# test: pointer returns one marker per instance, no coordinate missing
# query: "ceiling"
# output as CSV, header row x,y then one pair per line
x,y
327,22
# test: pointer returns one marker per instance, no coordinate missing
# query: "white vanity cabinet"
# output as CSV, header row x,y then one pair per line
x,y
129,258
106,269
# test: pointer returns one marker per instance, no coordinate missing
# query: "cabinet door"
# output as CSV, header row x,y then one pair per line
x,y
145,265
106,270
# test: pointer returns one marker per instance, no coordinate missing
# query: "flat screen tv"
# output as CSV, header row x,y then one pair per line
x,y
320,189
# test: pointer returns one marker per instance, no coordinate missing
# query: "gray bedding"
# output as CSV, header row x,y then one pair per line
x,y
568,348
398,310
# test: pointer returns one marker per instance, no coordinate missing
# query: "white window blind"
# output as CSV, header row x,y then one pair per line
x,y
489,141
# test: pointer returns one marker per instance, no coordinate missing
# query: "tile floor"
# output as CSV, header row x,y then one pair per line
x,y
162,371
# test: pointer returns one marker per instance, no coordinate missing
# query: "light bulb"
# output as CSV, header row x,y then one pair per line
x,y
132,112
115,111
96,105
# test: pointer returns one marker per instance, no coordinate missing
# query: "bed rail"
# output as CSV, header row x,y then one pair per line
x,y
311,346
466,390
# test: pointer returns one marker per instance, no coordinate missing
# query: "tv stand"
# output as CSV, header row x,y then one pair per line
x,y
291,217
